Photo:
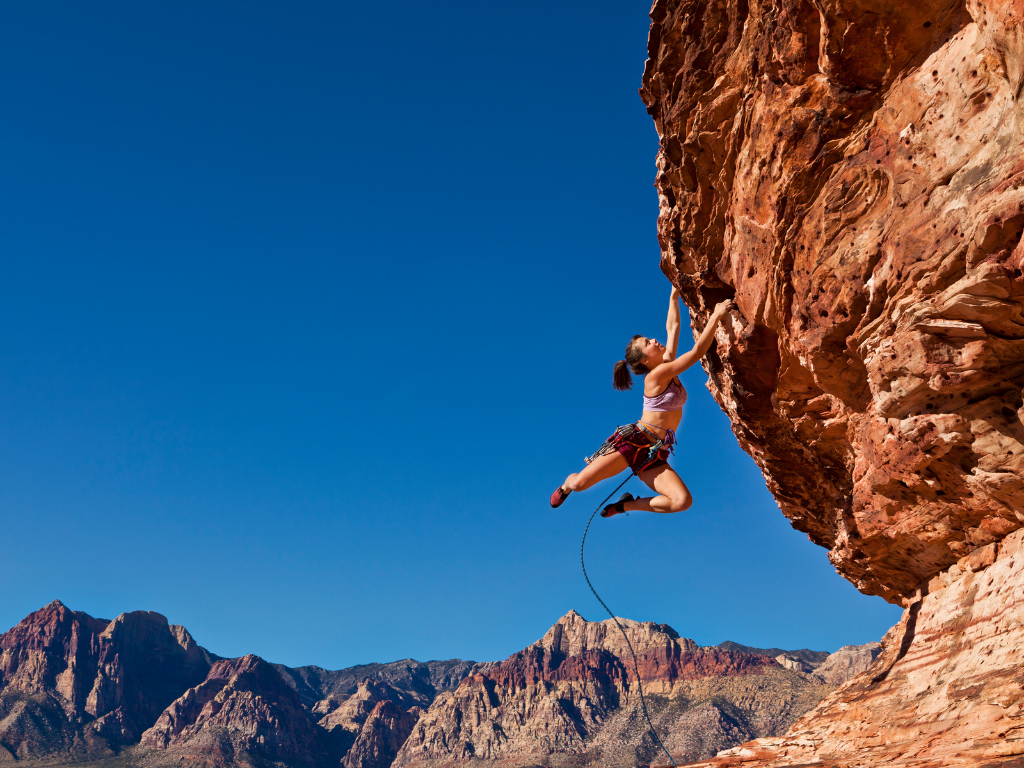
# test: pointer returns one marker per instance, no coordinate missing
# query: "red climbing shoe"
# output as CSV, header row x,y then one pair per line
x,y
559,496
616,508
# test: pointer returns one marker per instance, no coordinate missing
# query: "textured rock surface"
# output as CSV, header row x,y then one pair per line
x,y
381,736
76,686
945,691
242,713
846,663
851,172
352,712
571,698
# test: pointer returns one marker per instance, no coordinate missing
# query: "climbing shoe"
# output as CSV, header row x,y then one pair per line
x,y
559,496
616,508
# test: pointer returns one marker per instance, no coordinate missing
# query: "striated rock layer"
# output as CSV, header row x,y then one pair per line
x,y
851,172
946,691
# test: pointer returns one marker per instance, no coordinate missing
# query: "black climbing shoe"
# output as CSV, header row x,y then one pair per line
x,y
616,508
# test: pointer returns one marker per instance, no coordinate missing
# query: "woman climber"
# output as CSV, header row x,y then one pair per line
x,y
644,447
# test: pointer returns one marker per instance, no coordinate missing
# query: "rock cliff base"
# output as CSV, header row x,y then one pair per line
x,y
947,690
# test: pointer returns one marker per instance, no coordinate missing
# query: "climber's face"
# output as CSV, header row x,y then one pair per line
x,y
654,352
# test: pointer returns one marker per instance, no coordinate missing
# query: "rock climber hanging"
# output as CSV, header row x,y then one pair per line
x,y
644,446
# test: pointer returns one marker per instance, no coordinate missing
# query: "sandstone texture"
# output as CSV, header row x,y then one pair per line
x,y
851,173
946,690
571,699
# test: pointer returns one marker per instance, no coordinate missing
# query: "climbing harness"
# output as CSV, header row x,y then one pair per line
x,y
636,667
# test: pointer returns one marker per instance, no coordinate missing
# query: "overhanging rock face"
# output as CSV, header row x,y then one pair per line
x,y
852,173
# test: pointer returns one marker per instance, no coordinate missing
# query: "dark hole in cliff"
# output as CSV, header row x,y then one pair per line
x,y
712,296
878,162
750,271
974,73
927,24
674,150
935,73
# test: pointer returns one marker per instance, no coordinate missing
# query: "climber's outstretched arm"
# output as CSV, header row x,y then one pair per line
x,y
672,325
661,375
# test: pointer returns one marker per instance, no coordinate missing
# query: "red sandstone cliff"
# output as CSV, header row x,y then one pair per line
x,y
852,173
76,685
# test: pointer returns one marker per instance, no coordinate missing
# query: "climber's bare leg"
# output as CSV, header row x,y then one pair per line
x,y
673,495
599,469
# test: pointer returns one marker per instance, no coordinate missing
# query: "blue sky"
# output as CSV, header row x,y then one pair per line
x,y
305,310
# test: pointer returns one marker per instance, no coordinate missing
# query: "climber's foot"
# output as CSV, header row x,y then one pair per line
x,y
559,496
617,507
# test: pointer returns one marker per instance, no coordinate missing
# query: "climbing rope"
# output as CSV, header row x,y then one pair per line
x,y
636,668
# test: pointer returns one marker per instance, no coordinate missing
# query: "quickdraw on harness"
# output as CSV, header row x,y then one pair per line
x,y
668,441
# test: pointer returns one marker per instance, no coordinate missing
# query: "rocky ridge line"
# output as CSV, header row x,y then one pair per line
x,y
76,688
571,697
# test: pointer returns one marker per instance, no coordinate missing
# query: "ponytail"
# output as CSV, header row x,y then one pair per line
x,y
621,379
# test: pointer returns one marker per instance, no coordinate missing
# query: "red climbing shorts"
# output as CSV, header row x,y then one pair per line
x,y
639,448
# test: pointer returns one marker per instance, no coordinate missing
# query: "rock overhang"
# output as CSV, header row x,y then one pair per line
x,y
850,173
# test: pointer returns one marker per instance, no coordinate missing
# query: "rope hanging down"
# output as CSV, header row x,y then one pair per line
x,y
636,668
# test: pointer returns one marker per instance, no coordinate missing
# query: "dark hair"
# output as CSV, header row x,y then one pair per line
x,y
621,379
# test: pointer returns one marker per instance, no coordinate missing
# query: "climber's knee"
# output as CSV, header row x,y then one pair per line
x,y
681,501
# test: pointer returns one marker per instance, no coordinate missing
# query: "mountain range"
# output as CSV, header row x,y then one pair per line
x,y
138,691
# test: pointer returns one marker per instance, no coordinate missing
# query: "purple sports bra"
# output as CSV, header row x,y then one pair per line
x,y
672,398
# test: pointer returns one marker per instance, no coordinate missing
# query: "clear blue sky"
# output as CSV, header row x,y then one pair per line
x,y
305,310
